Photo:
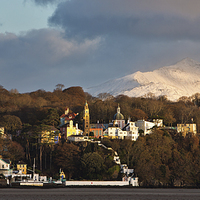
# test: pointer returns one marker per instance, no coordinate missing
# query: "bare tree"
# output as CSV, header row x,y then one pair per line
x,y
59,87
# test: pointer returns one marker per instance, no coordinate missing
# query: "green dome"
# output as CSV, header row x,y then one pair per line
x,y
118,115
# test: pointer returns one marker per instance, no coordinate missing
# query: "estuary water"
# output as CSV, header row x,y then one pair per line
x,y
98,193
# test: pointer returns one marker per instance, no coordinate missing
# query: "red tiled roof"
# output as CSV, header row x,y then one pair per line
x,y
69,116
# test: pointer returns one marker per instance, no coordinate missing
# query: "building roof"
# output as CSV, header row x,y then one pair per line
x,y
118,115
52,128
6,160
76,136
69,116
21,163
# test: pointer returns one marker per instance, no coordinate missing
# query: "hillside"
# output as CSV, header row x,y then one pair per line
x,y
181,79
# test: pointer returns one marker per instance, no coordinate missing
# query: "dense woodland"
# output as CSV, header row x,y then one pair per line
x,y
164,158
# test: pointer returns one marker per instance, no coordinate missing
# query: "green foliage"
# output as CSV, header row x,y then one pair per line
x,y
151,157
113,172
52,117
11,150
92,166
66,156
11,123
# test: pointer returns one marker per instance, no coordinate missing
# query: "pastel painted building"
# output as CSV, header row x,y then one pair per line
x,y
186,128
5,167
69,129
50,136
67,116
22,167
2,130
97,132
86,120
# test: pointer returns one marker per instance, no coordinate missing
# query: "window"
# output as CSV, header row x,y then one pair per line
x,y
2,166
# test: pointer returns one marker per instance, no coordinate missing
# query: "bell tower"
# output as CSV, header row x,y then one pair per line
x,y
86,120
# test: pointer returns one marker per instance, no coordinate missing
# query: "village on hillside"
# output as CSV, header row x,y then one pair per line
x,y
69,131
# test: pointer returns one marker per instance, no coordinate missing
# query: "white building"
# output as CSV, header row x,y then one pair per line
x,y
118,119
158,122
5,167
130,131
78,138
111,132
126,170
147,126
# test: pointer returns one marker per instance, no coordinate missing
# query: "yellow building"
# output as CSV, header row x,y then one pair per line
x,y
22,167
50,136
62,175
2,130
69,129
186,128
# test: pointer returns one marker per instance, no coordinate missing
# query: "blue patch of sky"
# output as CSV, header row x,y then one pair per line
x,y
18,16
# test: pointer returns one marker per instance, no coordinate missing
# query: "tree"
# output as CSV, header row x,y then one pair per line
x,y
15,152
11,123
59,87
67,157
14,91
169,117
92,165
138,114
12,150
25,137
104,96
151,155
52,117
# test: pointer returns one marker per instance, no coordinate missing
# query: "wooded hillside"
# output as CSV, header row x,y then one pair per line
x,y
162,158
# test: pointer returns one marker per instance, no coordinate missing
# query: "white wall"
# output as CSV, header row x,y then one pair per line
x,y
111,183
133,182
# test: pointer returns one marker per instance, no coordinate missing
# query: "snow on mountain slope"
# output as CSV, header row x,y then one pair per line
x,y
114,87
181,79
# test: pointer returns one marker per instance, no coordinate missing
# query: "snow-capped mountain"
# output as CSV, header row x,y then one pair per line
x,y
181,79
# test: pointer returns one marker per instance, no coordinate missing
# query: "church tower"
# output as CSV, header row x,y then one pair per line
x,y
86,120
119,119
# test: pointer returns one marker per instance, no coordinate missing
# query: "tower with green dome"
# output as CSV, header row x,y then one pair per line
x,y
118,119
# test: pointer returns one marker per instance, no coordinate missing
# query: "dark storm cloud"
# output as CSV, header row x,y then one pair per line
x,y
91,18
35,59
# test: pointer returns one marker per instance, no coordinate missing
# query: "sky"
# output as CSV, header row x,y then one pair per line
x,y
87,42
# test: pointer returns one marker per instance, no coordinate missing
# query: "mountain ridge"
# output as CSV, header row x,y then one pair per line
x,y
174,81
